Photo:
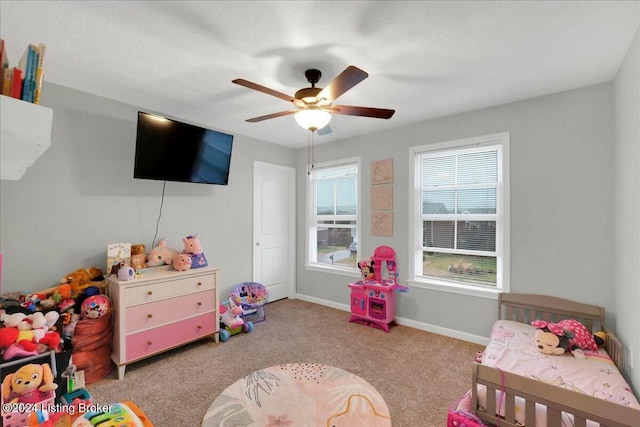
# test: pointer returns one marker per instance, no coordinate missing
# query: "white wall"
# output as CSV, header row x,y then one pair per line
x,y
561,205
81,195
626,286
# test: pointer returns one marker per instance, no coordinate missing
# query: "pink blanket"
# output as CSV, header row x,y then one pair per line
x,y
512,348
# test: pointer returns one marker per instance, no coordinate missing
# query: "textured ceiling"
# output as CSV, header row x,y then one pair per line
x,y
425,59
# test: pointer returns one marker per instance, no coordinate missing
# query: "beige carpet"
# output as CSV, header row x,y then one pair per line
x,y
418,374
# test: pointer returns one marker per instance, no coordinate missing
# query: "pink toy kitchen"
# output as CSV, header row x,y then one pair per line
x,y
373,299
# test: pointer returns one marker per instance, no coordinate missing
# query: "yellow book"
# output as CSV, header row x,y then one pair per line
x,y
39,73
6,81
39,79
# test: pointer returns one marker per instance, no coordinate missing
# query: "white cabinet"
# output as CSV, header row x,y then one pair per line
x,y
25,134
163,310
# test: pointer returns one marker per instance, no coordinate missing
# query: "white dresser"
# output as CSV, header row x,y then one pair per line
x,y
162,310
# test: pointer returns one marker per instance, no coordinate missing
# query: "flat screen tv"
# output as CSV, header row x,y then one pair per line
x,y
170,150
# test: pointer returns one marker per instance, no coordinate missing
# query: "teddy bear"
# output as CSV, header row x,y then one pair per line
x,y
193,248
32,383
161,254
138,256
81,279
566,335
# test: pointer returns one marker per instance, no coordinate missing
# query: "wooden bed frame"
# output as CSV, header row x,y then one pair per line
x,y
525,308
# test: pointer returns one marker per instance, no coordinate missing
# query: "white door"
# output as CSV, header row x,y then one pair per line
x,y
274,229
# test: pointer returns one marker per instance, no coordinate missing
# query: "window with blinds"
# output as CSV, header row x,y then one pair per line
x,y
460,216
333,222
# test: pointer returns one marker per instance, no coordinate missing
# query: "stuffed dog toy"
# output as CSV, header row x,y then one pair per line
x,y
31,383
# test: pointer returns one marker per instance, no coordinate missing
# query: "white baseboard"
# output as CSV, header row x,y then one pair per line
x,y
476,339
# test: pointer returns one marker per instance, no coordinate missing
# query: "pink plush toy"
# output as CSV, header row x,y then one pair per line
x,y
193,248
161,254
182,262
566,335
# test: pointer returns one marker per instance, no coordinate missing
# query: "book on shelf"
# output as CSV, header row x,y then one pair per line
x,y
7,78
4,64
17,81
4,59
117,253
28,63
39,78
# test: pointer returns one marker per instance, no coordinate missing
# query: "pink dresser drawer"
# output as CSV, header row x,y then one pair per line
x,y
147,293
153,341
146,316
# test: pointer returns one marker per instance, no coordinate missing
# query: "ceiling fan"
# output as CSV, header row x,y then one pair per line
x,y
314,105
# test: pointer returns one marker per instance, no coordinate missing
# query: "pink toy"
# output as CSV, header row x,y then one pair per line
x,y
373,299
182,262
230,316
576,334
193,247
161,254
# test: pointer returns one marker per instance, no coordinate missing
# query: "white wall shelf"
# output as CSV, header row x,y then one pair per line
x,y
25,134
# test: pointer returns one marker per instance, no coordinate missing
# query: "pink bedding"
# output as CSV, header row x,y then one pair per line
x,y
512,348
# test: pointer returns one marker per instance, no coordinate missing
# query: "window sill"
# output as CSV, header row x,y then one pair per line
x,y
453,288
349,272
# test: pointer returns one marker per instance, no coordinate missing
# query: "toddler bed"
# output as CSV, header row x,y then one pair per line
x,y
529,388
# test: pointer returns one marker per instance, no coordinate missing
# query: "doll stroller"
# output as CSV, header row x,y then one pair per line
x,y
252,296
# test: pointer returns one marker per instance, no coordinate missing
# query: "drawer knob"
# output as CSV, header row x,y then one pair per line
x,y
199,303
149,342
199,283
150,293
149,315
199,327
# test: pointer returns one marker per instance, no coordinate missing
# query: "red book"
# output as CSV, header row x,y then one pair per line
x,y
16,84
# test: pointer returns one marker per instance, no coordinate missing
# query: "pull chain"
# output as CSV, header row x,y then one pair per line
x,y
310,152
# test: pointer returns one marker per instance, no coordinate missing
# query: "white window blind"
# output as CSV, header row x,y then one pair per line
x,y
333,224
459,229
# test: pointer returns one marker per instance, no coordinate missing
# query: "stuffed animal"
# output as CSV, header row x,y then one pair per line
x,y
230,316
600,338
193,247
31,383
138,256
182,262
566,335
367,268
161,254
81,279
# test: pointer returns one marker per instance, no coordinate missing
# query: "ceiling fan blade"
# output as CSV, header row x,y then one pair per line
x,y
272,116
348,110
350,77
263,89
325,130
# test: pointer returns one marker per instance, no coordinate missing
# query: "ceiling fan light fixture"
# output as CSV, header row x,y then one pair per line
x,y
312,118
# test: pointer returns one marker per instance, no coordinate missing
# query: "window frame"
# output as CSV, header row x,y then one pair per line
x,y
502,218
311,224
